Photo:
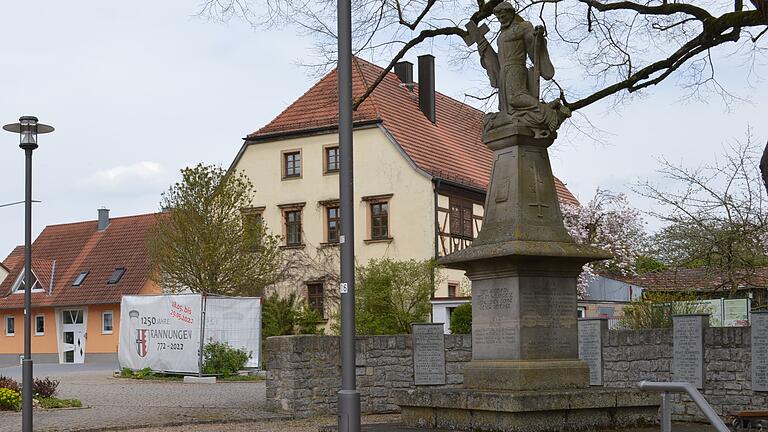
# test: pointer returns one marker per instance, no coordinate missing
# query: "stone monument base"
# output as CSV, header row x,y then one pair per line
x,y
593,409
519,375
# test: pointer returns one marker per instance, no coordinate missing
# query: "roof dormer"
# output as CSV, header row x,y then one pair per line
x,y
19,287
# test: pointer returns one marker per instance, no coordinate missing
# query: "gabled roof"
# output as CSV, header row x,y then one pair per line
x,y
80,247
696,279
42,270
14,258
450,149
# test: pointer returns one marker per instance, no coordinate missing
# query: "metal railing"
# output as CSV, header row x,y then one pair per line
x,y
667,388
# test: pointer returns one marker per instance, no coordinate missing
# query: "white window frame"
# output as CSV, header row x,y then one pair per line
x,y
20,279
5,323
36,317
103,315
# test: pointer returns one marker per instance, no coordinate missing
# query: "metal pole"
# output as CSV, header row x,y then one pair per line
x,y
698,399
349,397
666,412
203,305
26,365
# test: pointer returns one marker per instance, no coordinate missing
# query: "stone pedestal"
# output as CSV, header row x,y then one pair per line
x,y
525,373
523,267
524,330
533,411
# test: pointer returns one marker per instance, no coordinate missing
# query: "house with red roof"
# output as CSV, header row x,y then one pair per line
x,y
421,174
80,273
3,272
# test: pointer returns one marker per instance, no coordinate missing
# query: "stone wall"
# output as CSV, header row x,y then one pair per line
x,y
303,372
635,355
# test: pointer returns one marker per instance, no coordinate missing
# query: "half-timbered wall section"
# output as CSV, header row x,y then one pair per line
x,y
459,217
459,221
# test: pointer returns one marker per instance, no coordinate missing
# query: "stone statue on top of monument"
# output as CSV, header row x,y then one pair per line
x,y
518,84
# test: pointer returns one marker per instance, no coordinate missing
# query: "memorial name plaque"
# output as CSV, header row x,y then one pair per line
x,y
759,351
495,320
688,348
428,354
591,333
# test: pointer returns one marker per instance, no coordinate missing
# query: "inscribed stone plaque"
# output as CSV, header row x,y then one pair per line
x,y
495,320
591,332
688,348
759,351
549,328
428,354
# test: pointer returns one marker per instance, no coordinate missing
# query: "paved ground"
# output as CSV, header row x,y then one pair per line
x,y
120,404
379,423
58,370
114,402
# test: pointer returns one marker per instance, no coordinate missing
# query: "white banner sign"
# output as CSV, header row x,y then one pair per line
x,y
163,332
236,321
160,332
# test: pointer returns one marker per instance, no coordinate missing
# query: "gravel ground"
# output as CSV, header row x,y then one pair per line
x,y
114,402
307,425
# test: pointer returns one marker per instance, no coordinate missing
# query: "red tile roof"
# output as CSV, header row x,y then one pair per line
x,y
451,148
80,247
16,256
696,279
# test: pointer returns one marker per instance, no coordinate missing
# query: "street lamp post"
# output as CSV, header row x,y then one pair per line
x,y
349,397
28,128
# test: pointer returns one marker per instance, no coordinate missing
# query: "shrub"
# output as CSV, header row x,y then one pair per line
x,y
10,383
391,295
644,314
126,373
307,320
221,359
10,400
278,315
461,319
288,316
44,387
53,403
142,373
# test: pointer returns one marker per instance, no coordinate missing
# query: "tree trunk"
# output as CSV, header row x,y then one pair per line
x,y
764,166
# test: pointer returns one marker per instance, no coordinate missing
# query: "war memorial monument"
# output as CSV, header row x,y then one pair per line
x,y
525,373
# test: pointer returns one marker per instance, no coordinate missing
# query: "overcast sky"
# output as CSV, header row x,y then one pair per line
x,y
138,90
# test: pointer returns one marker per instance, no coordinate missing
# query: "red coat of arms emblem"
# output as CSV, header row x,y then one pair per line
x,y
141,342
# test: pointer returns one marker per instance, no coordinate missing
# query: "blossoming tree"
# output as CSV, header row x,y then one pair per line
x,y
608,222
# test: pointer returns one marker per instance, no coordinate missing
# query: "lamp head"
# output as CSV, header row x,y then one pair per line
x,y
28,128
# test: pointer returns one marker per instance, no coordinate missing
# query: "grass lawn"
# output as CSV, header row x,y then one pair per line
x,y
146,374
54,403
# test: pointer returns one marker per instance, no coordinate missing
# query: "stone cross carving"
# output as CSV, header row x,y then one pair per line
x,y
536,182
476,34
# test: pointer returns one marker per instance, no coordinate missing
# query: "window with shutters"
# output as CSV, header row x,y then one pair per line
x,y
461,218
